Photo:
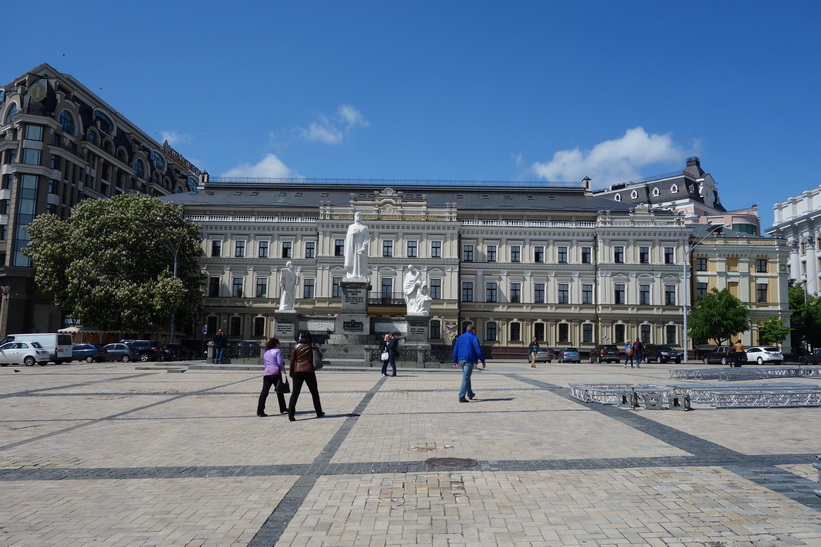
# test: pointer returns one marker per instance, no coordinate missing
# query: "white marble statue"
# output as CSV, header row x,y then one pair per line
x,y
416,294
287,283
357,243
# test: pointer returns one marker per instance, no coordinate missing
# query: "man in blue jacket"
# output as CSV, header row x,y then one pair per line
x,y
467,353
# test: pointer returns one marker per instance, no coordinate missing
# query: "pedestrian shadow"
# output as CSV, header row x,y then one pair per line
x,y
498,399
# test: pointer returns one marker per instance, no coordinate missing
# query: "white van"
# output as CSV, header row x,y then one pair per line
x,y
57,344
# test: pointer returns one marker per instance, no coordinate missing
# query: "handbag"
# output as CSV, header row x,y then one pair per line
x,y
385,356
284,386
317,355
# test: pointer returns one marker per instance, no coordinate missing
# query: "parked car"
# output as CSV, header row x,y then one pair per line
x,y
605,353
23,351
544,355
149,350
121,352
813,358
662,353
57,344
570,355
764,354
719,355
88,353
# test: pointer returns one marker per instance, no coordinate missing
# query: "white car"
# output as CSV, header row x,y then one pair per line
x,y
764,354
23,351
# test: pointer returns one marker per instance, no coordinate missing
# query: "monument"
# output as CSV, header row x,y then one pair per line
x,y
353,325
285,318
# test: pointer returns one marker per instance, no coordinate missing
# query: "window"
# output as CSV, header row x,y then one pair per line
x,y
387,288
262,249
34,132
491,292
618,293
515,332
158,160
336,291
619,334
308,288
236,290
618,254
435,289
436,249
467,253
310,249
563,293
701,289
669,255
435,329
701,264
12,111
644,255
515,253
538,254
645,333
339,247
31,156
669,295
7,182
287,249
515,292
587,293
259,327
644,295
761,265
412,245
674,189
4,206
387,247
490,330
467,291
213,286
216,248
587,254
262,287
538,331
761,290
564,332
670,334
491,253
211,325
561,255
235,326
538,293
139,169
587,333
239,249
66,121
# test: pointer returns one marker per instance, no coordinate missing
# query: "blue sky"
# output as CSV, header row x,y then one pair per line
x,y
456,90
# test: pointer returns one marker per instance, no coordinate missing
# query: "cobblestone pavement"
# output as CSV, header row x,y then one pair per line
x,y
110,454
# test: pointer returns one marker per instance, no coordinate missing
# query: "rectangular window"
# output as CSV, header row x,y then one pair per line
x,y
515,292
538,293
336,291
387,247
561,255
262,249
239,249
310,249
587,333
538,331
4,206
538,254
645,333
618,334
216,248
34,132
618,254
213,287
564,293
669,295
236,287
7,182
701,264
467,253
618,293
644,255
435,329
761,289
669,255
262,287
490,330
31,156
491,253
515,253
644,295
287,247
235,326
587,293
436,249
339,247
491,292
587,255
387,289
259,327
467,291
701,289
515,332
761,265
564,332
435,289
308,288
412,245
670,334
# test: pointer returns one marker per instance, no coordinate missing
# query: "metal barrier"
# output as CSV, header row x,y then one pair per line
x,y
749,373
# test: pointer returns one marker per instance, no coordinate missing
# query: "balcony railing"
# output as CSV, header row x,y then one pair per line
x,y
386,299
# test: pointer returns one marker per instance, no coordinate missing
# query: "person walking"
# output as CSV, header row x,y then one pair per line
x,y
302,371
384,352
393,352
739,353
628,352
467,353
638,351
272,358
220,342
534,347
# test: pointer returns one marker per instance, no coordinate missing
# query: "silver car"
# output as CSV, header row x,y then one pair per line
x,y
23,351
764,354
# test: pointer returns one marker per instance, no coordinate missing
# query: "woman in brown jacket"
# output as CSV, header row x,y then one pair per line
x,y
302,370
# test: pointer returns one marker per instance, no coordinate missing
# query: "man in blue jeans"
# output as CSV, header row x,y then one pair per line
x,y
467,353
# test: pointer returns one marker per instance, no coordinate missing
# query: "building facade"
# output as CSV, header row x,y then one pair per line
x,y
60,144
798,220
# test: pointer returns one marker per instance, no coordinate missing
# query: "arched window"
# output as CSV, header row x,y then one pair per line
x,y
674,189
139,169
104,123
158,160
618,197
67,122
192,184
656,192
92,137
11,113
634,194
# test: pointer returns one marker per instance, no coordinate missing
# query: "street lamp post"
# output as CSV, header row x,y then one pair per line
x,y
685,267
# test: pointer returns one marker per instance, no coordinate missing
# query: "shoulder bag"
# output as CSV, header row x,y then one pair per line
x,y
317,355
284,386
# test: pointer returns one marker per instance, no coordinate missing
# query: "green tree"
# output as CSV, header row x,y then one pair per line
x,y
806,317
773,331
718,316
111,263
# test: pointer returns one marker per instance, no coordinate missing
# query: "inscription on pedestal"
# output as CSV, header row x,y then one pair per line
x,y
353,326
285,329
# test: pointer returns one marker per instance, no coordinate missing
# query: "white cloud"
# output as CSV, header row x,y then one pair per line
x,y
333,129
175,138
270,167
611,161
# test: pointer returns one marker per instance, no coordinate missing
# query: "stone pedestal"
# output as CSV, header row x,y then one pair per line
x,y
417,339
286,326
353,326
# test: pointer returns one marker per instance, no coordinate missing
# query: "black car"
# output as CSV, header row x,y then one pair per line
x,y
719,355
121,352
149,350
606,353
663,353
813,358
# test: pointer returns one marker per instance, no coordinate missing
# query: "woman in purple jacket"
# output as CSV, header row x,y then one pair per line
x,y
272,376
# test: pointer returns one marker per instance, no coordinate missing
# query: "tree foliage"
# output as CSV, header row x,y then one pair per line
x,y
111,263
718,316
806,317
773,331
